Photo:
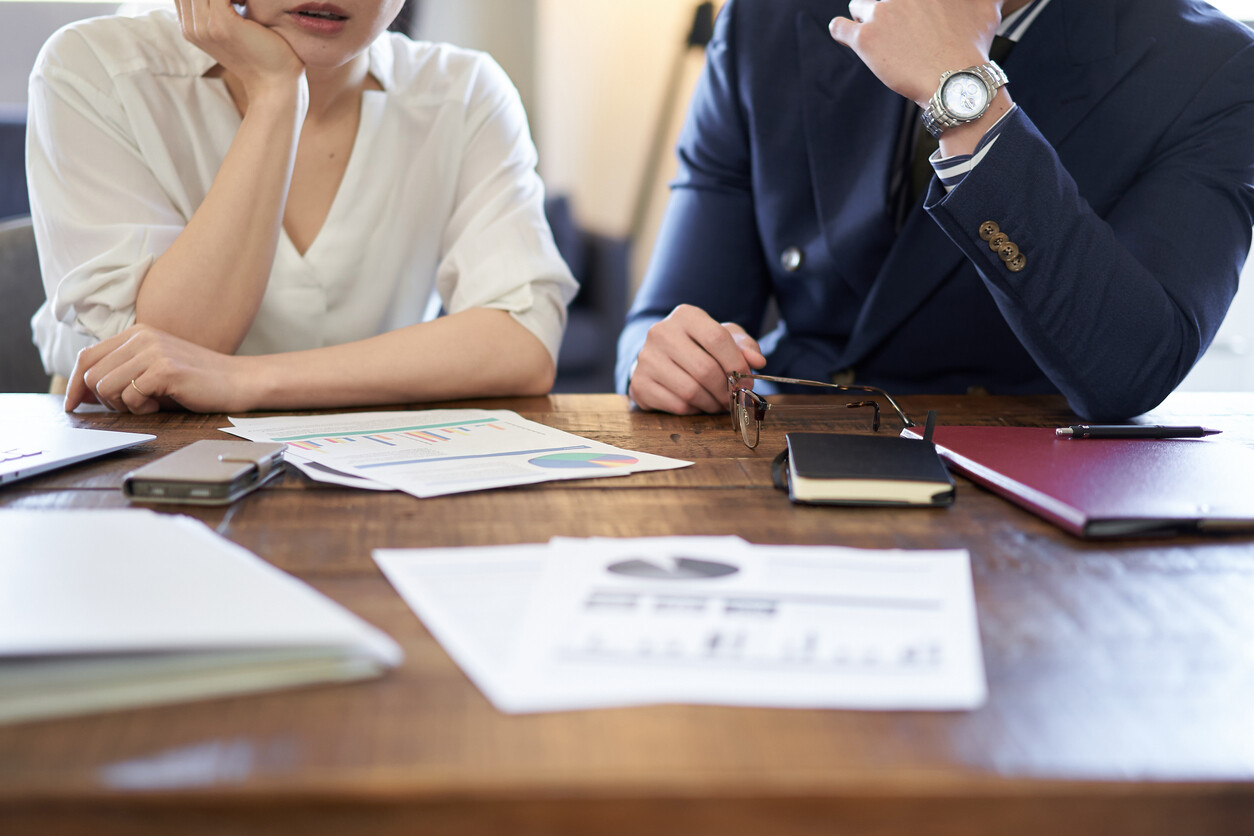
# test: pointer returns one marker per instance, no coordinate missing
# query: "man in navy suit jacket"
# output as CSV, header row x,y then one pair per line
x,y
1122,173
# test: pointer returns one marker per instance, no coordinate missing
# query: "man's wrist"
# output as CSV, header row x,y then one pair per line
x,y
962,96
964,138
949,64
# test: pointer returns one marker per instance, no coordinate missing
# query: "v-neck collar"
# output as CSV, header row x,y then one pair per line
x,y
382,69
372,107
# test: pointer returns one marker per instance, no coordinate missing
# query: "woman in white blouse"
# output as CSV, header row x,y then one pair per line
x,y
245,211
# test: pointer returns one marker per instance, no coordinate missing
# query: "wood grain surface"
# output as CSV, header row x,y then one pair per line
x,y
1121,674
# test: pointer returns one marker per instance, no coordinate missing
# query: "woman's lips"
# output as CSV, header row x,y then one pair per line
x,y
319,18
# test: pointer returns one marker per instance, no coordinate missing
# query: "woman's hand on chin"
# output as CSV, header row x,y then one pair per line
x,y
143,370
259,57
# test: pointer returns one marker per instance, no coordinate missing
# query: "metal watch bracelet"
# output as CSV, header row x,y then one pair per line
x,y
936,117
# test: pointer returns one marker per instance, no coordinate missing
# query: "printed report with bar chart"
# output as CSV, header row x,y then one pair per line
x,y
443,451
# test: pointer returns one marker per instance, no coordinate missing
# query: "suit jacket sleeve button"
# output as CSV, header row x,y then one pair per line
x,y
1009,252
988,229
791,259
998,240
1017,263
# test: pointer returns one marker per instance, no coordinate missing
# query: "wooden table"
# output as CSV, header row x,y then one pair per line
x,y
1121,674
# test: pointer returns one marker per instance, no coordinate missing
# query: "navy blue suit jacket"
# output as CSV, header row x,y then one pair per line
x,y
1126,178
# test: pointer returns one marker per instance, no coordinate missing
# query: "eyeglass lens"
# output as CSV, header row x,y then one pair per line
x,y
746,416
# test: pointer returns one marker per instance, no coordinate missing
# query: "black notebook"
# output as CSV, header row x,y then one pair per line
x,y
834,468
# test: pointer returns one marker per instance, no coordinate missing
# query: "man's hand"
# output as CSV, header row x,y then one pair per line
x,y
686,358
909,43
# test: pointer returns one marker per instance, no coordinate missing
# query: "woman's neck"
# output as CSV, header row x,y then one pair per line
x,y
331,91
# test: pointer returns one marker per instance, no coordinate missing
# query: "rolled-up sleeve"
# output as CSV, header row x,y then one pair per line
x,y
100,216
498,250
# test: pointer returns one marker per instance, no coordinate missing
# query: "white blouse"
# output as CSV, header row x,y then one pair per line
x,y
440,194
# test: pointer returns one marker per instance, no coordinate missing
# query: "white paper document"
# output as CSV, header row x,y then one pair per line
x,y
444,451
109,609
473,600
598,622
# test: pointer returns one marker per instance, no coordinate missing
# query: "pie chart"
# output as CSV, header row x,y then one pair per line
x,y
566,461
676,569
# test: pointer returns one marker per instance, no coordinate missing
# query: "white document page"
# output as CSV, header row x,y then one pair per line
x,y
328,475
443,451
700,620
803,627
474,600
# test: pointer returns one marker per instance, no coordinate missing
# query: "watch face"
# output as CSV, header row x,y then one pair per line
x,y
965,96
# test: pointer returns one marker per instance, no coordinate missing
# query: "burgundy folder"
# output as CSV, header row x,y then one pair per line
x,y
1108,487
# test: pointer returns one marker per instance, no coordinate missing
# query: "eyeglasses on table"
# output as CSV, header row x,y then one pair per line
x,y
748,408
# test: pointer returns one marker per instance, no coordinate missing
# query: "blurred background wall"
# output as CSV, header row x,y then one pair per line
x,y
594,75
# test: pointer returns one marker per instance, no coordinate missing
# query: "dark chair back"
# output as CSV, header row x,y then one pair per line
x,y
13,198
600,263
23,292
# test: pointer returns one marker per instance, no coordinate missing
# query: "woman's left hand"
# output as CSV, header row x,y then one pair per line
x,y
143,369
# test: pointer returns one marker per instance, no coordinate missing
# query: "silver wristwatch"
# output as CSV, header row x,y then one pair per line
x,y
962,96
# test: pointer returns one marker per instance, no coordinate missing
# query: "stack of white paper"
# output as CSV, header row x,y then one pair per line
x,y
107,609
435,452
599,622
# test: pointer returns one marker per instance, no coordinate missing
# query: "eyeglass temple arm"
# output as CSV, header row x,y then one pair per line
x,y
838,386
